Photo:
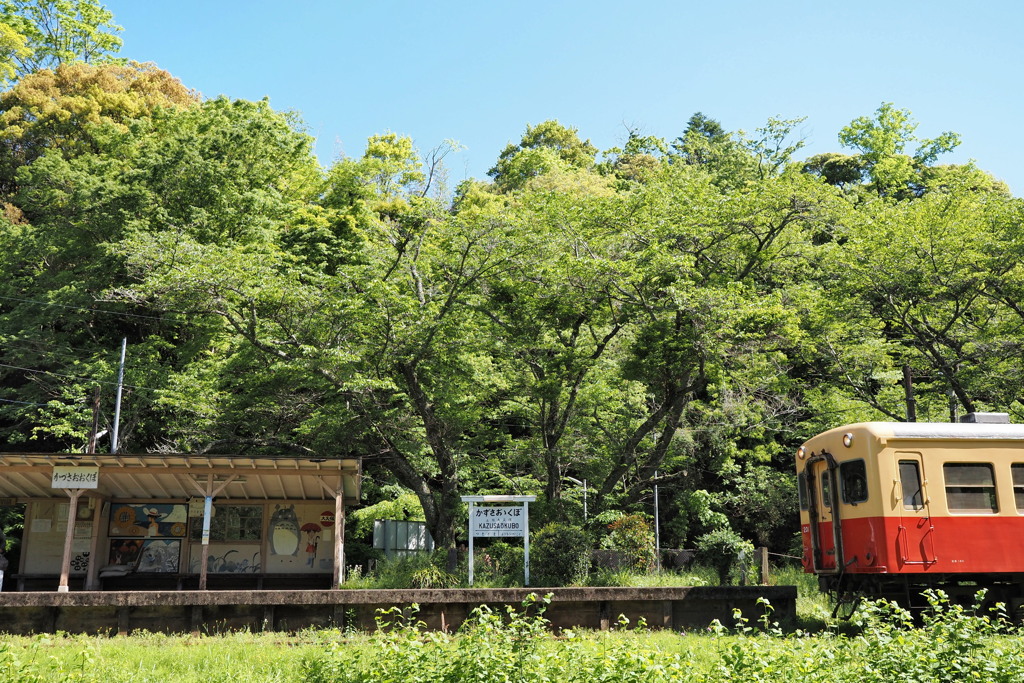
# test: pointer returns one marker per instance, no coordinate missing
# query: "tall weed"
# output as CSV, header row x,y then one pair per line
x,y
492,647
953,643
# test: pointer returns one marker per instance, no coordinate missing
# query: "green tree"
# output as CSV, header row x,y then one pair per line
x,y
387,344
78,109
60,32
772,147
702,141
842,170
66,153
12,49
543,147
922,278
713,343
882,142
556,312
217,172
705,144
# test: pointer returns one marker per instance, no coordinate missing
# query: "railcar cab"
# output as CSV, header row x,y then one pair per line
x,y
840,493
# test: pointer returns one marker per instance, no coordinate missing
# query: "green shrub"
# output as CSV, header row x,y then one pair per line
x,y
560,555
633,536
499,564
433,576
951,643
723,550
420,570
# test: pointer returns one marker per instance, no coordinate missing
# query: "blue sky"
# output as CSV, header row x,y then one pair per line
x,y
479,72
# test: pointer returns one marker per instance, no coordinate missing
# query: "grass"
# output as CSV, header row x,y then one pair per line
x,y
952,644
149,656
622,654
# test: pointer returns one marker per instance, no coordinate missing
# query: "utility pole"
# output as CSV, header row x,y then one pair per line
x,y
657,524
117,406
908,390
93,434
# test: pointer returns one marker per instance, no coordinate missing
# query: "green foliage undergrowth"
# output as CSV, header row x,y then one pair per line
x,y
560,555
726,552
489,647
947,643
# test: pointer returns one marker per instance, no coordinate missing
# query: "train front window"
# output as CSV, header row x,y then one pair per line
x,y
853,482
970,487
826,492
910,480
1018,485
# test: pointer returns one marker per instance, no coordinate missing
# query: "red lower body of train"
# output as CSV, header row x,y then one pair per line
x,y
897,558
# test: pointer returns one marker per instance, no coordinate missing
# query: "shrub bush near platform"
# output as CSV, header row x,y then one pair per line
x,y
560,555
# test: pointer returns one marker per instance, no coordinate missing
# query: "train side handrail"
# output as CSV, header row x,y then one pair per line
x,y
812,508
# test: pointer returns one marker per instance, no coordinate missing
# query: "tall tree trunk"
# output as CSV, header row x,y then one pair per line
x,y
444,486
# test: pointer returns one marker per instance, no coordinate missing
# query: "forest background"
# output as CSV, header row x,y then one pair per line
x,y
679,312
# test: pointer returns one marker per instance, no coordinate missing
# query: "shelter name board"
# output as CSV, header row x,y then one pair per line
x,y
71,477
504,520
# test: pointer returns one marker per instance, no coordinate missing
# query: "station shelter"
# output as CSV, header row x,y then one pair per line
x,y
124,521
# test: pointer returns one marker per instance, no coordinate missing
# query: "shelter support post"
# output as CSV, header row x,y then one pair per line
x,y
99,514
526,543
339,528
339,537
204,562
69,536
209,492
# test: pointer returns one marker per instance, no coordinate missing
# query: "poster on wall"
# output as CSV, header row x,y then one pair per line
x,y
228,559
300,539
153,520
146,555
159,556
124,551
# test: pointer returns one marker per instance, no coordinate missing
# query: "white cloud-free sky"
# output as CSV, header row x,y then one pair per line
x,y
479,71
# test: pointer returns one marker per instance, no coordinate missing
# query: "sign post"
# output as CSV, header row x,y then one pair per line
x,y
494,521
74,480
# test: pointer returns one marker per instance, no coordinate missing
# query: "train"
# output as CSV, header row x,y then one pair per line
x,y
890,509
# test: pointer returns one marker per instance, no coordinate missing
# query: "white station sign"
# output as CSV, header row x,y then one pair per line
x,y
503,520
71,477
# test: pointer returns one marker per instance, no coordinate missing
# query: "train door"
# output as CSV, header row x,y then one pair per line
x,y
820,472
915,543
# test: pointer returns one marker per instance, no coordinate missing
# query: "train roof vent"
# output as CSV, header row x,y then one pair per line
x,y
987,418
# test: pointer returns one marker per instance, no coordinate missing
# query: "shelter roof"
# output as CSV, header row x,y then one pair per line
x,y
175,476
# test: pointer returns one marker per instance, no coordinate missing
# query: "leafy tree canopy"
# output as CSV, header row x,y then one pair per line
x,y
882,142
55,32
542,147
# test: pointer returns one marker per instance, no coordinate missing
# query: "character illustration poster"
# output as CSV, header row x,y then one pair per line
x,y
152,520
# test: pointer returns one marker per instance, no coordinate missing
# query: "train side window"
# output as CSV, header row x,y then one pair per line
x,y
802,490
826,492
1017,470
910,481
853,482
970,487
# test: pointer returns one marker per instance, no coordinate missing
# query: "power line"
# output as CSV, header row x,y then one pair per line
x,y
23,403
98,310
81,377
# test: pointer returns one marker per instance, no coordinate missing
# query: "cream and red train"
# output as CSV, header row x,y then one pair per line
x,y
888,509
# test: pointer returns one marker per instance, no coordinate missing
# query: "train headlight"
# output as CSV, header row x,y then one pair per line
x,y
848,439
801,452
